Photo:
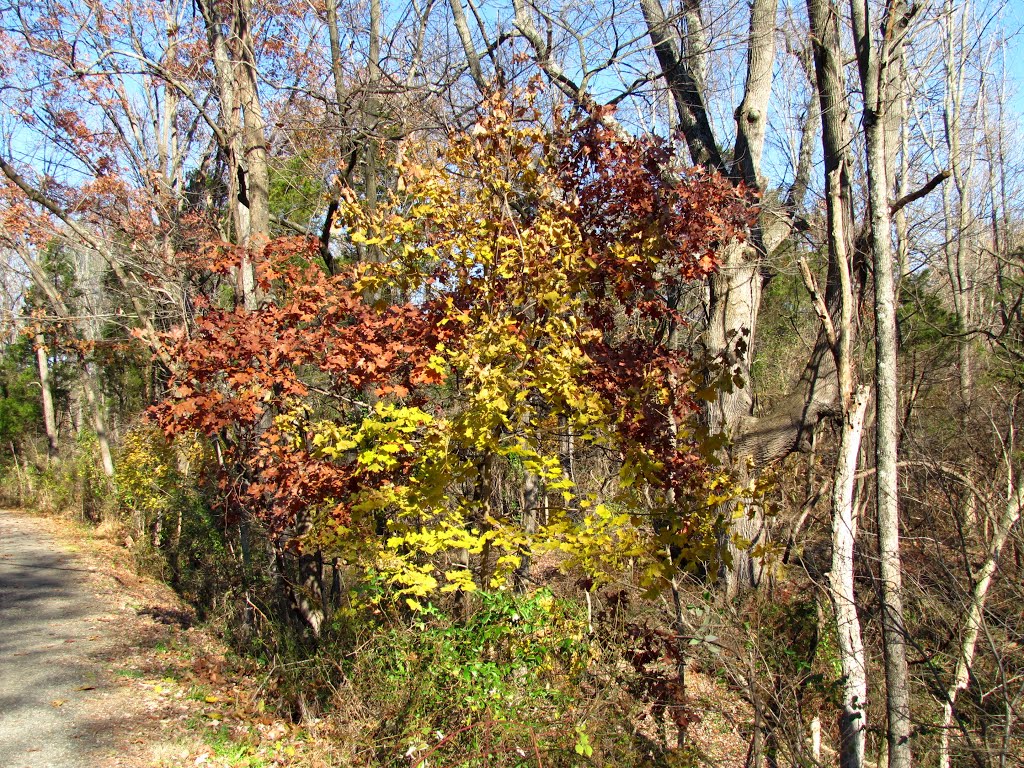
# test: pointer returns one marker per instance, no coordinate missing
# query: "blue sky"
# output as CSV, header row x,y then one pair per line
x,y
1015,55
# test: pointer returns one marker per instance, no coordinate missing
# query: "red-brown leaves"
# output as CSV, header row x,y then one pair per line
x,y
238,370
631,194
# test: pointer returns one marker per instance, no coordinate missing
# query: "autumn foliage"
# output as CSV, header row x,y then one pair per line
x,y
516,299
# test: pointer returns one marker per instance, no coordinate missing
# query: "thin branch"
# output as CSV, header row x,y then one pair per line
x,y
819,303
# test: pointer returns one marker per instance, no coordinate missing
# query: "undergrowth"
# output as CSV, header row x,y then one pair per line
x,y
490,679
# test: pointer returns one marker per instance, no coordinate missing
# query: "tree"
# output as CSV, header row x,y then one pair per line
x,y
840,328
877,57
512,329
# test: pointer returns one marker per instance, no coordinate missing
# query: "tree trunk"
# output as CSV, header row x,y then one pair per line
x,y
98,422
853,718
680,62
242,134
839,218
873,63
466,38
735,297
371,113
957,212
886,475
752,114
49,417
529,499
309,597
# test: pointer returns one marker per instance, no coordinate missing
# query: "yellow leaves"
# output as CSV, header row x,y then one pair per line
x,y
459,580
290,423
430,540
410,579
722,489
638,468
360,237
150,470
423,555
483,241
332,440
600,543
382,436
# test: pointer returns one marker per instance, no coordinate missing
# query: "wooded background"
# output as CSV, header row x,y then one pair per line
x,y
691,330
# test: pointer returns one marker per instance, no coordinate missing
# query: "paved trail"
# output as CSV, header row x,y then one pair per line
x,y
60,707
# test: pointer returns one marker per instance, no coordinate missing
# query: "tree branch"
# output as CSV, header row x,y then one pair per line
x,y
819,303
36,196
917,194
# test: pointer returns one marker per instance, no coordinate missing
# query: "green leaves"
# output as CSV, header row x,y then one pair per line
x,y
582,746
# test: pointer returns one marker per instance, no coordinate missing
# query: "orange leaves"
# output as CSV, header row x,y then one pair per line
x,y
238,369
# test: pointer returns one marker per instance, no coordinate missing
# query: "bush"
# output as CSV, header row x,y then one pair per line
x,y
516,683
74,485
174,530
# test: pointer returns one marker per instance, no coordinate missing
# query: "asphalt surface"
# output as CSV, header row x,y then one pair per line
x,y
56,637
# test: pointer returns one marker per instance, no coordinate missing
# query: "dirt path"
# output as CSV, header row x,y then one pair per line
x,y
69,633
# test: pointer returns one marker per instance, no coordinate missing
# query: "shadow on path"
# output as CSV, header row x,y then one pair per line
x,y
57,636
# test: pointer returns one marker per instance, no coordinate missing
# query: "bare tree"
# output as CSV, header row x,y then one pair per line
x,y
877,54
241,132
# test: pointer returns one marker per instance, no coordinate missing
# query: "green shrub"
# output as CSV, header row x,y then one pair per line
x,y
508,686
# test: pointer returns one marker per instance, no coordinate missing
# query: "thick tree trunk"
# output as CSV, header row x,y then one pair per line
x,y
735,297
680,62
735,291
752,114
242,134
334,36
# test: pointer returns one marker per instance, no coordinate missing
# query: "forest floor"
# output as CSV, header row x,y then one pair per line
x,y
102,668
